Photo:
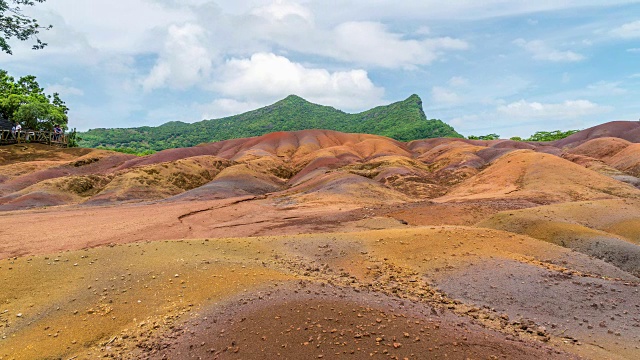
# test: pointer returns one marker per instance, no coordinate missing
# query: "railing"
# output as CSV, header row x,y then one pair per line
x,y
32,136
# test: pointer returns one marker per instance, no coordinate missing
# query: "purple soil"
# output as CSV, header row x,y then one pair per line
x,y
627,130
600,312
313,322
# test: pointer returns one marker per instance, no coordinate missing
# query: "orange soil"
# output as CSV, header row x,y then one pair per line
x,y
323,244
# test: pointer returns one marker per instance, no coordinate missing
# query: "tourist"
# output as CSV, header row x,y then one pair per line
x,y
18,128
57,131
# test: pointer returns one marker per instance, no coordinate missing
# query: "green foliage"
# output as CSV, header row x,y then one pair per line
x,y
484,137
14,24
72,138
24,101
404,121
39,116
538,136
551,135
129,151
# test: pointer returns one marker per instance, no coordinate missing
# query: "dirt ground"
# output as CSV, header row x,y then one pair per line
x,y
317,244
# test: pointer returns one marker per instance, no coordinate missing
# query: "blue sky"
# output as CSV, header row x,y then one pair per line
x,y
493,66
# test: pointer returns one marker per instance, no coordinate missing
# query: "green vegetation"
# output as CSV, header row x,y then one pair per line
x,y
484,137
550,135
404,121
15,24
24,101
129,151
538,136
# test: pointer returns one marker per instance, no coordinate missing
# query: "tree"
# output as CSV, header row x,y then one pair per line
x,y
40,116
15,24
551,135
26,102
484,137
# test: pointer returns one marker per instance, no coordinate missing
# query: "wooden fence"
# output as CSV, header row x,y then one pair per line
x,y
29,136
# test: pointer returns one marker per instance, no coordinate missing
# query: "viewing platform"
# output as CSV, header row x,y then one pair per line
x,y
7,137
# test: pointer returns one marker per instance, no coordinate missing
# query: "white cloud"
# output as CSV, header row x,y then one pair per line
x,y
280,9
605,88
443,95
423,30
64,90
121,26
220,108
464,121
569,109
627,31
111,48
372,44
458,81
459,9
541,51
184,62
267,76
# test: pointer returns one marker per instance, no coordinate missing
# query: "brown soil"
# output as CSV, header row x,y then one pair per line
x,y
314,322
318,244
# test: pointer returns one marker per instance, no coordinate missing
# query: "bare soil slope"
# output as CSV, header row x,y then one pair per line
x,y
319,244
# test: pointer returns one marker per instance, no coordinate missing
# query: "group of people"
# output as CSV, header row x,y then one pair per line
x,y
57,132
17,129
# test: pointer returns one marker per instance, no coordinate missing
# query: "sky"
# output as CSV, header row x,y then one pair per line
x,y
492,66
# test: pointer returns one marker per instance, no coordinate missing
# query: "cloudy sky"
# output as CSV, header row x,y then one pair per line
x,y
493,66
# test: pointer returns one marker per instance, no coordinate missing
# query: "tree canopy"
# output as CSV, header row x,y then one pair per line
x,y
538,136
551,135
484,137
24,101
15,24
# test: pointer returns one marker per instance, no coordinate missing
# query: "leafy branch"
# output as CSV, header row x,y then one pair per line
x,y
15,24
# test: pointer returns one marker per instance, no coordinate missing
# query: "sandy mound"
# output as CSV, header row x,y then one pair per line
x,y
234,181
340,187
576,308
58,191
19,153
241,297
408,176
452,154
540,178
161,180
627,160
453,213
582,227
76,301
627,130
95,162
290,145
600,148
334,322
301,162
344,245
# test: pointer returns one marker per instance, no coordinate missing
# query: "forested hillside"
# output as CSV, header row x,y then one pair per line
x,y
404,120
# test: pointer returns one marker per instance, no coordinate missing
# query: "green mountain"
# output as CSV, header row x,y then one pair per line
x,y
403,120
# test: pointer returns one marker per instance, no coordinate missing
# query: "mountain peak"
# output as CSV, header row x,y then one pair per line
x,y
294,97
403,120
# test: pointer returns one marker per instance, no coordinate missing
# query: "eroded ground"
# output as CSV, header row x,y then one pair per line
x,y
323,245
